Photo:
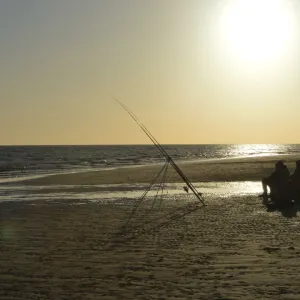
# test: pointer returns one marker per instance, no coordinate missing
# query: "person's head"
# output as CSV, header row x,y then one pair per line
x,y
279,165
298,164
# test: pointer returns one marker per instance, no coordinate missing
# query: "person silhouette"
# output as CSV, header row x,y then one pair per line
x,y
278,182
295,182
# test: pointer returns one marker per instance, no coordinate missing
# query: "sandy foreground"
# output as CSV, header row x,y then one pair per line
x,y
173,248
230,249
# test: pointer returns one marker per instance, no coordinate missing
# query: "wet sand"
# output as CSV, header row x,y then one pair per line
x,y
230,249
235,169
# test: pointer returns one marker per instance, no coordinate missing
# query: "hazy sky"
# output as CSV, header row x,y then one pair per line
x,y
210,71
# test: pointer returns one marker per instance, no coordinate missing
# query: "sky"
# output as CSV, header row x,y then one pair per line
x,y
193,71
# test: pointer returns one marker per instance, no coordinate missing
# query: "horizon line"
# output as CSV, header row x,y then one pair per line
x,y
167,144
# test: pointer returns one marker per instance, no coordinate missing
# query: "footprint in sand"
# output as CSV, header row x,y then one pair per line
x,y
271,249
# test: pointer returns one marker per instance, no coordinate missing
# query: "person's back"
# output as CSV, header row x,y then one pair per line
x,y
296,175
283,198
281,175
284,175
278,182
295,180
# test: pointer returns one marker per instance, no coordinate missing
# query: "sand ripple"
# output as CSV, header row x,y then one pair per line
x,y
230,249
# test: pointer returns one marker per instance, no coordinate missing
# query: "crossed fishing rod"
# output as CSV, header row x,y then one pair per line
x,y
169,160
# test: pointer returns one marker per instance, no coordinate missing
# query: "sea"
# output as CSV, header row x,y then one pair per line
x,y
20,162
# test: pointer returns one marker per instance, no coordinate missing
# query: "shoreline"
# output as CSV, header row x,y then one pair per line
x,y
250,168
100,193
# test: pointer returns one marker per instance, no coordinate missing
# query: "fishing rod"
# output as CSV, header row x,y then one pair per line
x,y
163,151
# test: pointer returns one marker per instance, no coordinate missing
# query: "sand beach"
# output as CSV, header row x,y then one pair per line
x,y
232,248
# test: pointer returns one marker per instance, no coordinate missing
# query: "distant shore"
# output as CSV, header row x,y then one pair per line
x,y
232,169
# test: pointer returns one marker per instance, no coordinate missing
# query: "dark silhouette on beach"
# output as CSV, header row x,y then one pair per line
x,y
295,183
284,190
278,183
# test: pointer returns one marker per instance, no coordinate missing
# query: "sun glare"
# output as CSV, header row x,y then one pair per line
x,y
257,30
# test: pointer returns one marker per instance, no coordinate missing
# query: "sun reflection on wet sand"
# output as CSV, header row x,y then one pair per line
x,y
228,189
119,191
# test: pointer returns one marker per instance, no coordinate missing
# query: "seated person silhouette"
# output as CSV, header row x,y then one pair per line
x,y
295,183
278,183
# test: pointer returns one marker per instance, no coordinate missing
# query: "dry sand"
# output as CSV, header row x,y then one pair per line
x,y
232,248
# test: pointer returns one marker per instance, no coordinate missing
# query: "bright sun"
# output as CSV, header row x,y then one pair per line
x,y
257,30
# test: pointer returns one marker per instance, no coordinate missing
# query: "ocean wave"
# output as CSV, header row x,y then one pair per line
x,y
21,160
